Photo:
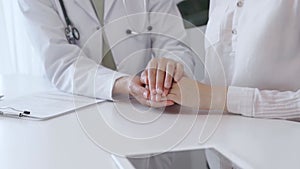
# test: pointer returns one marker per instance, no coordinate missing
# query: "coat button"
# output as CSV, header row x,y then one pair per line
x,y
234,31
98,27
240,4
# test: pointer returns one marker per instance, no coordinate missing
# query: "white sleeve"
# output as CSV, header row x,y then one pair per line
x,y
253,102
68,68
169,35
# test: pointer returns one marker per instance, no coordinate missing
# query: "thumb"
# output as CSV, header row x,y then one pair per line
x,y
169,103
137,89
144,77
174,98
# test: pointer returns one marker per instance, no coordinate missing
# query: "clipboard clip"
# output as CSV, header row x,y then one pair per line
x,y
15,114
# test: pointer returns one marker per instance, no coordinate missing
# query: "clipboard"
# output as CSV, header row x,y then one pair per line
x,y
47,105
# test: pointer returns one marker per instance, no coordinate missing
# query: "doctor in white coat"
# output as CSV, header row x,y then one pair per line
x,y
154,38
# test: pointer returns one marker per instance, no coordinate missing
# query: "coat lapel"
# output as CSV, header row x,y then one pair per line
x,y
87,7
108,6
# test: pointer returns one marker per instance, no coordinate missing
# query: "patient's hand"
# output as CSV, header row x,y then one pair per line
x,y
190,93
185,92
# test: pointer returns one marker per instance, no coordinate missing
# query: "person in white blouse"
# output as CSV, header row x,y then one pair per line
x,y
258,45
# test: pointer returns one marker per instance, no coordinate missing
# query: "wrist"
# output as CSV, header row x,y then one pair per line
x,y
219,98
121,86
204,96
213,97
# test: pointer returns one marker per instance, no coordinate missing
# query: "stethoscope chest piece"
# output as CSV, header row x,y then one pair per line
x,y
76,33
72,34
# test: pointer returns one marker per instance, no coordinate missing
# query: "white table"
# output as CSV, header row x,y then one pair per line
x,y
61,143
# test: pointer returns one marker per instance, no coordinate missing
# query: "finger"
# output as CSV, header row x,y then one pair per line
x,y
174,98
163,99
144,77
175,90
153,97
169,75
178,72
160,104
170,103
149,103
166,92
143,101
158,98
137,90
160,77
152,76
147,94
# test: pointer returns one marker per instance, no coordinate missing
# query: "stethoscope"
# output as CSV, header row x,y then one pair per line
x,y
72,34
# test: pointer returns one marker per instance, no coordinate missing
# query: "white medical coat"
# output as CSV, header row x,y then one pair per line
x,y
76,68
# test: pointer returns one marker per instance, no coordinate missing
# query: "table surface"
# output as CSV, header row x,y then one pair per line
x,y
80,140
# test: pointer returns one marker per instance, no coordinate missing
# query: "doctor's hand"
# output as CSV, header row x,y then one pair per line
x,y
134,87
190,93
159,76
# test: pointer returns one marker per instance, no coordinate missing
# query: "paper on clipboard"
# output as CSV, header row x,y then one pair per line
x,y
47,105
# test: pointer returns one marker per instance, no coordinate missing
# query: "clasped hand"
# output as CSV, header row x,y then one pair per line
x,y
153,87
163,84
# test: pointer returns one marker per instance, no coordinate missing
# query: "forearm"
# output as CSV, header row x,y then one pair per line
x,y
191,93
66,65
264,103
83,76
212,97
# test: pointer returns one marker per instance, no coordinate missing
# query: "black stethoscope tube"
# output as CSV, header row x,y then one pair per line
x,y
71,32
65,12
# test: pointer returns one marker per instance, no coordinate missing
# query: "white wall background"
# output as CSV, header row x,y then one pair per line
x,y
16,53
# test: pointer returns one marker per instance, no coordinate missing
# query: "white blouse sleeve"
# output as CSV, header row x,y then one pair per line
x,y
253,102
